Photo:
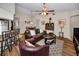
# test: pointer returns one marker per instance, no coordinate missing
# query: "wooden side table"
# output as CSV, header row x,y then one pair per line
x,y
61,34
49,39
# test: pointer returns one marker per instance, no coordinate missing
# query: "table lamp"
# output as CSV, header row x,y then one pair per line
x,y
61,25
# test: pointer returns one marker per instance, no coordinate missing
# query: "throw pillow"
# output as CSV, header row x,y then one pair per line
x,y
29,44
32,32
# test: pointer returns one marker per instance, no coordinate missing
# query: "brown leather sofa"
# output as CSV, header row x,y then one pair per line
x,y
26,50
38,50
35,38
28,34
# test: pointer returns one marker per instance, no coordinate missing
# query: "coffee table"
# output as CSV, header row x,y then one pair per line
x,y
49,39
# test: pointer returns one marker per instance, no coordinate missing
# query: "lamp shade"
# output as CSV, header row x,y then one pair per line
x,y
62,23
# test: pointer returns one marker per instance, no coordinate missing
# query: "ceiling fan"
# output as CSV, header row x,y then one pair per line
x,y
45,10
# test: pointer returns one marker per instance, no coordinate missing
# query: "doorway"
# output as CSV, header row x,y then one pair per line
x,y
74,23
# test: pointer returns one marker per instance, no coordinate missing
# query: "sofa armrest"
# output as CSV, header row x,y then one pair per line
x,y
34,51
34,48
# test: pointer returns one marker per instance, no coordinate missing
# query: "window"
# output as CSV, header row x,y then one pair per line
x,y
3,26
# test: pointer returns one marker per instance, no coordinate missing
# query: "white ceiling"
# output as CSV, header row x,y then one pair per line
x,y
59,7
10,7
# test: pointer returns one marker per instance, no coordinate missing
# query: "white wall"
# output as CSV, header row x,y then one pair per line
x,y
74,23
55,19
7,11
73,17
23,15
6,15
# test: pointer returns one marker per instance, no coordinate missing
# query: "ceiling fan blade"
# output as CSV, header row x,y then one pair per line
x,y
37,11
50,10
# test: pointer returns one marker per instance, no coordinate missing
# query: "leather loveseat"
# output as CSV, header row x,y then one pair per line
x,y
33,38
37,50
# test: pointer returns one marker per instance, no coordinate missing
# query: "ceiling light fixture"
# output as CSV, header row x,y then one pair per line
x,y
44,10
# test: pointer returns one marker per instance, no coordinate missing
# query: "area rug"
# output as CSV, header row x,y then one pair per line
x,y
54,49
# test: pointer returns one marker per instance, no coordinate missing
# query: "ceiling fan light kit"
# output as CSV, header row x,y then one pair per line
x,y
44,13
45,10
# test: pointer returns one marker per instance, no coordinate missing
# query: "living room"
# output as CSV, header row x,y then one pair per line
x,y
23,17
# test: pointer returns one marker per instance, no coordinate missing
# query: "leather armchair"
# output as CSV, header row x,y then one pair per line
x,y
33,51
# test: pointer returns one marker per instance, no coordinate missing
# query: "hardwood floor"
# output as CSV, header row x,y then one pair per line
x,y
68,49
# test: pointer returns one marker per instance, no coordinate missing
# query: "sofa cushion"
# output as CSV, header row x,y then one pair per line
x,y
29,44
41,30
32,32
